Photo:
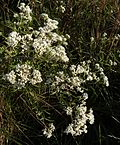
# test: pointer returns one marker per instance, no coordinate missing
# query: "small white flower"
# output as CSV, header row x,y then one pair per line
x,y
62,8
67,36
16,15
112,63
49,130
11,77
111,11
80,69
45,16
97,66
13,39
104,34
28,10
106,82
90,116
73,69
70,129
75,81
92,39
68,111
36,77
85,96
89,78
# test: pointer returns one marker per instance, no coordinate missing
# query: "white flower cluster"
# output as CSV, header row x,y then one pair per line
x,y
36,77
23,75
73,81
103,77
11,77
49,130
69,110
13,39
48,42
80,119
26,42
50,24
80,75
83,68
104,38
59,54
61,7
24,15
44,41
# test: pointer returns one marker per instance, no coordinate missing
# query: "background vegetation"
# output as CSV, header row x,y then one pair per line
x,y
82,20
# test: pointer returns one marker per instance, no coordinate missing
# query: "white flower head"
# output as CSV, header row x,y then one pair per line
x,y
45,16
13,39
69,110
85,96
25,13
36,77
78,125
11,77
49,130
92,39
104,34
62,8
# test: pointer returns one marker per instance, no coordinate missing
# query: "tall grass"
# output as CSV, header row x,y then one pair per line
x,y
94,29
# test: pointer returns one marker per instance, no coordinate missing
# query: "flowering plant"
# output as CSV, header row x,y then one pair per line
x,y
41,73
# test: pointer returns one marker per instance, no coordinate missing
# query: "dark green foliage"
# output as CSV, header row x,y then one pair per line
x,y
81,20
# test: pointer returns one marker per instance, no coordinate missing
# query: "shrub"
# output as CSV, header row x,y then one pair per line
x,y
54,84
